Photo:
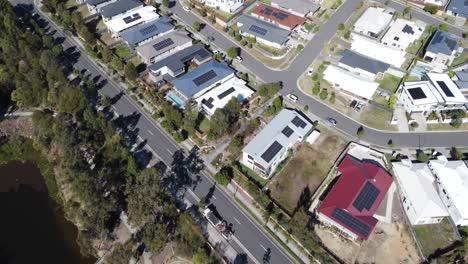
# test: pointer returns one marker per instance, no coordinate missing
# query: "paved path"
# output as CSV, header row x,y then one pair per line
x,y
290,76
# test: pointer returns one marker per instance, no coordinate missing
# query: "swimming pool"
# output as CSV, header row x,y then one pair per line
x,y
419,69
176,100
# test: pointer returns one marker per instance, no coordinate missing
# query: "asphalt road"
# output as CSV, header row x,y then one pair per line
x,y
254,242
311,51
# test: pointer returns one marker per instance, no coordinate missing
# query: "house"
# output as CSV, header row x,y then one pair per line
x,y
350,83
143,33
362,65
458,8
263,32
163,46
270,146
125,21
436,93
402,34
199,81
94,6
373,22
228,6
354,199
442,49
452,185
220,95
120,7
301,8
175,64
277,17
461,80
419,197
378,51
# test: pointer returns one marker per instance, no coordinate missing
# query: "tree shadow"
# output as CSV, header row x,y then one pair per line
x,y
210,193
304,199
241,259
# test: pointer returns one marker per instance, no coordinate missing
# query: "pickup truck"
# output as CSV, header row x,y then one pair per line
x,y
219,224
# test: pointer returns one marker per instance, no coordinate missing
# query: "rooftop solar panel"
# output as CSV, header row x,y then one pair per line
x,y
417,93
450,43
281,16
131,18
408,29
163,44
226,93
258,30
204,77
208,103
444,88
148,30
287,131
366,197
271,151
298,122
351,222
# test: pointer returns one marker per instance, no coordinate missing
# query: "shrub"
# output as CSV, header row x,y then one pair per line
x,y
332,98
431,8
300,47
316,89
341,26
443,27
323,94
224,176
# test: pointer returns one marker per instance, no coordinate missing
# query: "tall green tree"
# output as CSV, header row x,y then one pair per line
x,y
131,72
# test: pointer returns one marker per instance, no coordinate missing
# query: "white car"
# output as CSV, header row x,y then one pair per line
x,y
215,51
238,59
186,8
309,72
292,97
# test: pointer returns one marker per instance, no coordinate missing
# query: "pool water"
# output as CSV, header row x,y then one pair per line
x,y
176,100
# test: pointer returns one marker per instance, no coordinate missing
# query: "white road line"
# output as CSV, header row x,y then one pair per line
x,y
170,152
235,219
263,247
149,131
193,195
214,197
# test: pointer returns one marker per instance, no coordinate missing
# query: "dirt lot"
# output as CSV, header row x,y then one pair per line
x,y
306,170
390,243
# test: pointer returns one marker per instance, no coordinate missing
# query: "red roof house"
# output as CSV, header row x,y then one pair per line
x,y
355,197
277,16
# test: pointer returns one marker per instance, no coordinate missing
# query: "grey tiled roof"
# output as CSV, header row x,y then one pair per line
x,y
119,7
173,40
300,6
95,2
460,7
272,33
142,32
443,42
176,61
357,60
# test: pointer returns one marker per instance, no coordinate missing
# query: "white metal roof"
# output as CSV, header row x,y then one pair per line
x,y
454,177
417,182
350,82
403,32
374,20
141,15
450,93
377,51
220,95
430,95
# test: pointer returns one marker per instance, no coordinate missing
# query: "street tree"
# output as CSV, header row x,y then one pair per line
x,y
200,257
233,52
361,132
196,26
131,72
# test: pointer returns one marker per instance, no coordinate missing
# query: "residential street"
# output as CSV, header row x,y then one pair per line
x,y
290,76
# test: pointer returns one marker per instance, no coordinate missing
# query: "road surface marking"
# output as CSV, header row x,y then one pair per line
x,y
263,247
170,152
214,197
149,131
193,195
235,219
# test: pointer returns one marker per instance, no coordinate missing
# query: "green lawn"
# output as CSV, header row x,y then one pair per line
x,y
433,237
376,117
252,175
205,126
460,59
268,2
436,127
123,51
390,82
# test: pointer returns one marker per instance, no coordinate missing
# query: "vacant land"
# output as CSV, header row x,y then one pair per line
x,y
433,237
376,117
306,170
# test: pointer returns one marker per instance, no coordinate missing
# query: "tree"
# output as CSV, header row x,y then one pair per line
x,y
361,132
232,110
196,26
233,52
166,3
117,64
71,100
106,54
105,101
131,72
443,27
392,101
154,235
456,154
277,103
431,8
219,124
347,34
390,143
316,88
323,94
121,254
422,157
332,98
200,257
269,89
86,34
407,10
341,26
223,177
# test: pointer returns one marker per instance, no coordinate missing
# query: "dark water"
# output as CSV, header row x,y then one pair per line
x,y
32,227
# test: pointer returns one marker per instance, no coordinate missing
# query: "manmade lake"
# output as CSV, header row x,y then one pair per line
x,y
32,226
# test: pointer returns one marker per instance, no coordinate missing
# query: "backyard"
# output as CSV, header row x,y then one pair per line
x,y
433,237
306,170
390,82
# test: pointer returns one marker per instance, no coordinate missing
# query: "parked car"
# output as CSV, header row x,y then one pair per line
x,y
309,72
219,224
359,107
215,51
239,59
186,8
161,83
292,97
331,121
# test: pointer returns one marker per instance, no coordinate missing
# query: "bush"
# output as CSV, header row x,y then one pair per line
x,y
316,89
243,42
456,123
315,77
178,137
392,101
202,12
443,27
233,52
323,94
347,34
341,26
431,8
196,26
300,47
238,37
332,98
422,157
224,176
414,124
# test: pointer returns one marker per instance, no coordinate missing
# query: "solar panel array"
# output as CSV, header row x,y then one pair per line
x,y
208,102
258,30
226,93
131,18
267,11
408,29
281,16
298,122
287,131
148,30
271,151
163,44
351,222
444,88
366,197
205,77
417,93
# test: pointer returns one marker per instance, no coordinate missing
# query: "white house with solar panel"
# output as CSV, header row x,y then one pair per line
x,y
229,6
270,146
437,92
126,21
164,46
402,34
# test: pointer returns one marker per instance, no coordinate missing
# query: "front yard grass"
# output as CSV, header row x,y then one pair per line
x,y
307,168
460,59
107,38
376,117
390,82
123,51
251,174
438,127
433,237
